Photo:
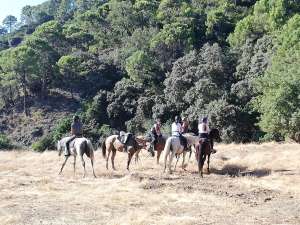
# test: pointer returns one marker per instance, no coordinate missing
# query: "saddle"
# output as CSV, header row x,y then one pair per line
x,y
183,141
124,137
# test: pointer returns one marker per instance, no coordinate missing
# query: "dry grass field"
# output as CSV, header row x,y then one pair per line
x,y
248,184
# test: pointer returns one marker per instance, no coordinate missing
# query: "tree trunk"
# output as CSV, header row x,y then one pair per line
x,y
23,83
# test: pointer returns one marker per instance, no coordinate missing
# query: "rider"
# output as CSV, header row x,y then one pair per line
x,y
76,131
177,131
204,130
155,133
185,125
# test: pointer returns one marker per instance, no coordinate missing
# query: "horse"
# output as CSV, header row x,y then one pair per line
x,y
173,147
113,144
204,150
158,146
80,147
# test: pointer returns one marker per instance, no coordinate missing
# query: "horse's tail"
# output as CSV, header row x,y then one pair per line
x,y
59,148
168,145
89,149
103,146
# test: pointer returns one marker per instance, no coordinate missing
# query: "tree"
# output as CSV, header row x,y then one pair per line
x,y
9,23
280,86
65,10
47,58
140,68
27,15
123,102
3,30
21,62
69,67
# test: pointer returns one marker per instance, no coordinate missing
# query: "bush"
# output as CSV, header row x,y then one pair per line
x,y
62,128
46,142
5,142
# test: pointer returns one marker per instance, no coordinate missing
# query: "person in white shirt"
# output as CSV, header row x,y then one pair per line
x,y
177,131
176,127
204,130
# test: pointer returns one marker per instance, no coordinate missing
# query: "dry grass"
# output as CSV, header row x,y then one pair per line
x,y
249,184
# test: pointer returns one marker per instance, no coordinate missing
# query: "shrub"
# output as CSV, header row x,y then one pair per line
x,y
62,128
5,142
46,142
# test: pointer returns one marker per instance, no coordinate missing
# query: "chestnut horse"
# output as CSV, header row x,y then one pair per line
x,y
158,146
204,150
113,144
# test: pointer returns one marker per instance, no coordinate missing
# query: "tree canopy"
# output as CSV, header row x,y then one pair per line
x,y
131,61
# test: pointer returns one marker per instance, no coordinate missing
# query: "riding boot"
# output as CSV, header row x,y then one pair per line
x,y
67,151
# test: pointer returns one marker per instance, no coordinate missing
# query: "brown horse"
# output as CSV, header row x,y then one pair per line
x,y
113,144
158,146
204,150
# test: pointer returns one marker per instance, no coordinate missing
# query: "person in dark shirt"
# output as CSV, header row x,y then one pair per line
x,y
76,131
155,133
185,125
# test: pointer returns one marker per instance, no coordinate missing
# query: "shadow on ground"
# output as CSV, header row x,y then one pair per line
x,y
238,171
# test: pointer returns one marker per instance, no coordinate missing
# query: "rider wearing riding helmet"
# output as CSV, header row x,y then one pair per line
x,y
204,130
76,131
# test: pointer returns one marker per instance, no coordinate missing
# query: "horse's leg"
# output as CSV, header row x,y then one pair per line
x,y
183,159
200,156
208,161
178,157
166,158
63,165
158,156
137,159
130,154
83,165
170,161
108,154
74,165
114,151
92,163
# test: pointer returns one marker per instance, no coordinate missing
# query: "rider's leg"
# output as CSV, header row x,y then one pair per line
x,y
67,147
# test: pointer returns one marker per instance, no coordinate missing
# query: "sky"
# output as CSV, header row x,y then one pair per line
x,y
14,7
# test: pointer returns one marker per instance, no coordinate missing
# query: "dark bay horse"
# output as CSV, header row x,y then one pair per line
x,y
204,150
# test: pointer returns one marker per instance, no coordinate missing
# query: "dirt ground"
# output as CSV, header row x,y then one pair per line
x,y
248,184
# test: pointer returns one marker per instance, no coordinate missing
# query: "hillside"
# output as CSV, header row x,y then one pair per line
x,y
249,184
132,61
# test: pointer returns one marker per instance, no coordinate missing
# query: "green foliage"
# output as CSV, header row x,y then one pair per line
x,y
280,86
133,61
140,67
105,130
9,23
62,127
267,16
43,144
5,143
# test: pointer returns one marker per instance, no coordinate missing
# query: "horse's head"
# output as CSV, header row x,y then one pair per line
x,y
215,134
142,142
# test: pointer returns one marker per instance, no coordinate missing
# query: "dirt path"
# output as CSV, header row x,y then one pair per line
x,y
240,190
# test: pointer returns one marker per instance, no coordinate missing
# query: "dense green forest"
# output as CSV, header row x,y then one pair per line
x,y
237,61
